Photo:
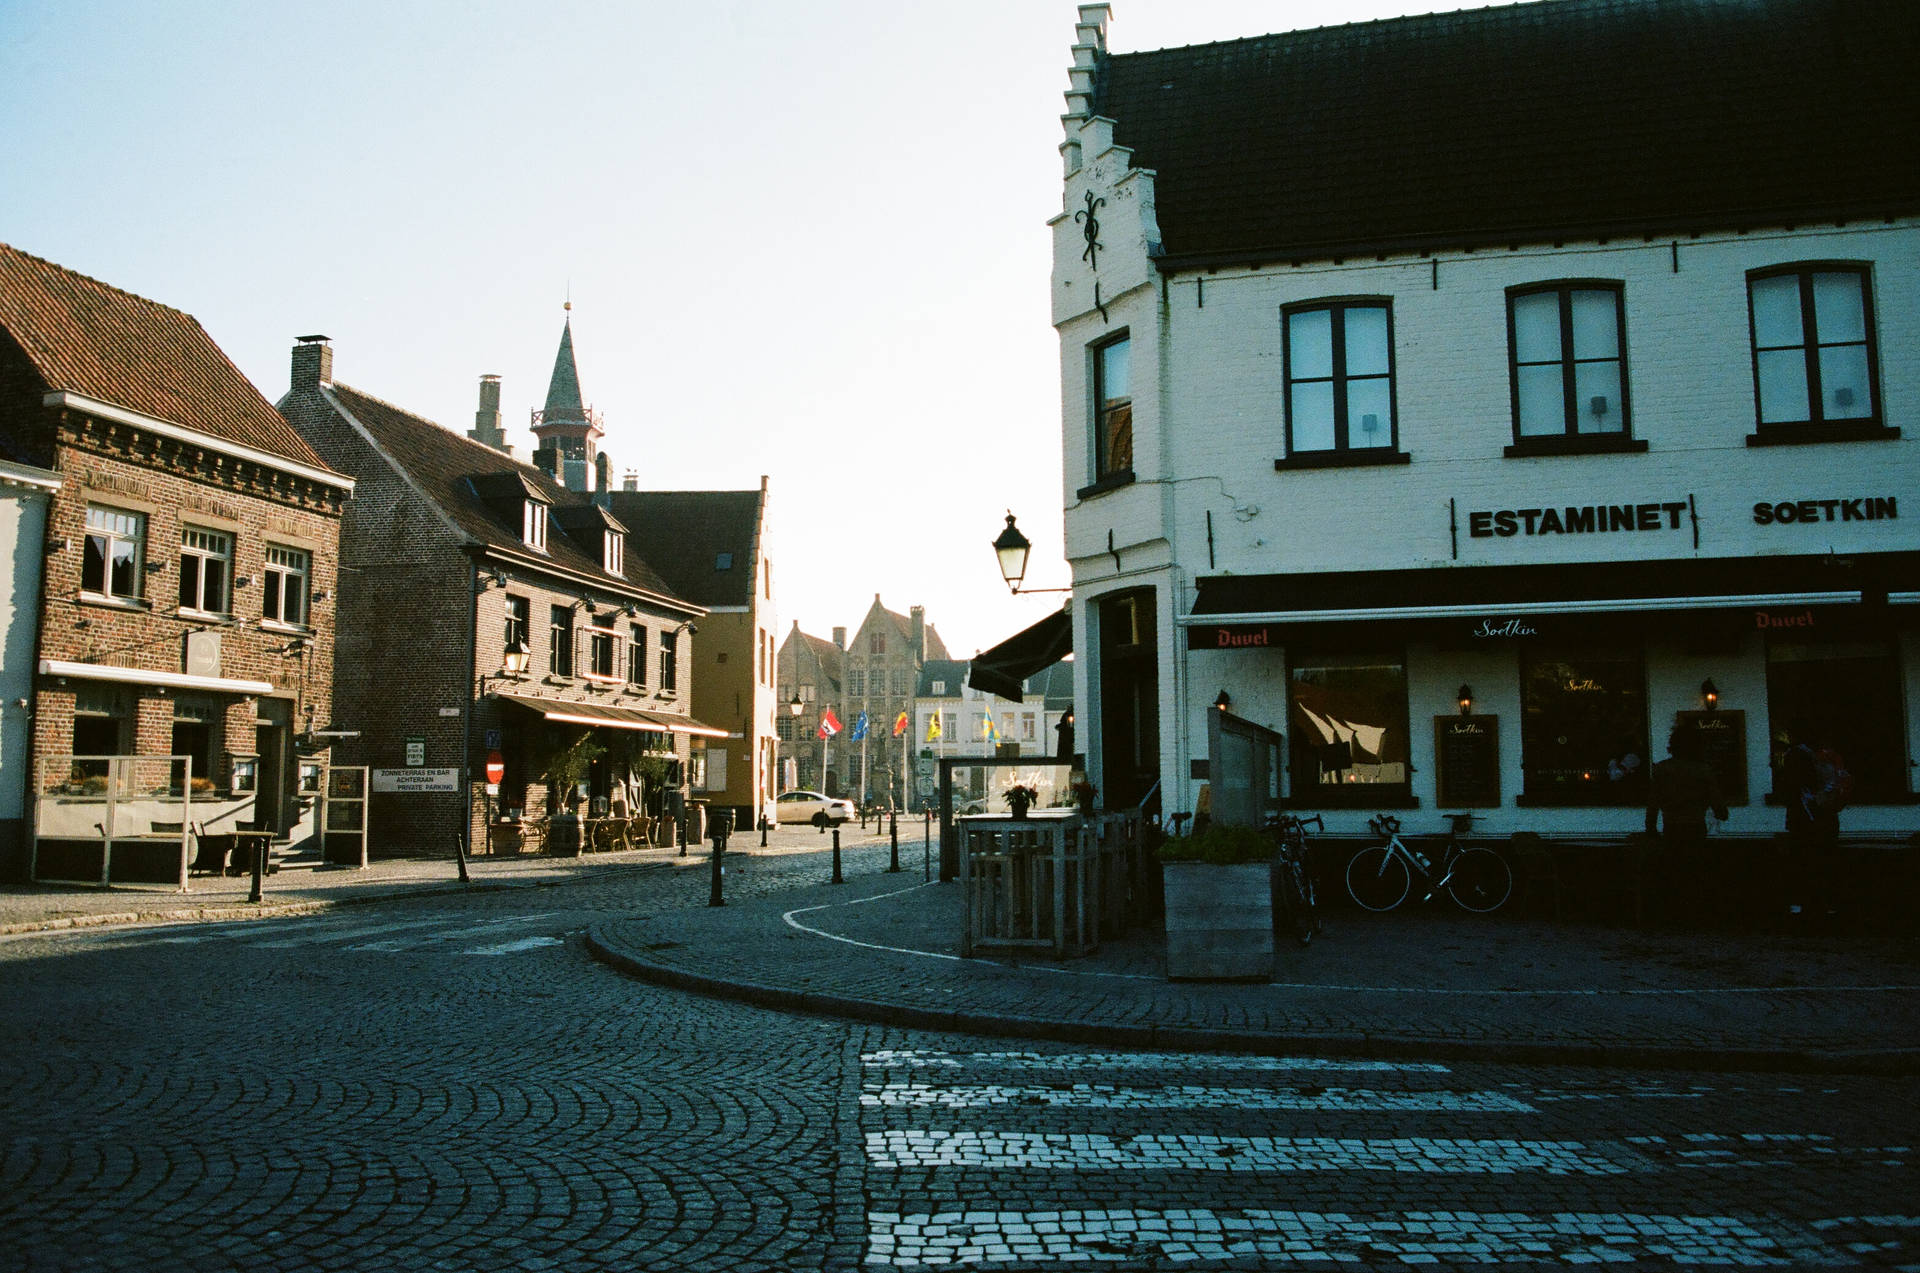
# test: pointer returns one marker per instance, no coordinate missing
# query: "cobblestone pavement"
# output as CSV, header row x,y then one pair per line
x,y
448,1081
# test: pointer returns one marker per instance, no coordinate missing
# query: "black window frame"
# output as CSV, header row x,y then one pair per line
x,y
1818,428
1106,473
1629,788
1304,790
1342,453
1570,440
517,629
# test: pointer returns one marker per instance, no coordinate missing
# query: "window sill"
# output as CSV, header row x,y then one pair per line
x,y
285,629
1576,444
201,616
1364,458
1803,434
1370,795
126,604
1111,482
1892,801
1579,800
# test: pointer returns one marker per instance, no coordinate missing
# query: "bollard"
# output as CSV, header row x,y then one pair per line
x,y
836,855
763,830
893,830
926,866
259,869
460,856
680,822
719,828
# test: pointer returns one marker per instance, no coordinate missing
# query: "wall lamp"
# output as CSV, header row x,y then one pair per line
x,y
1012,548
1710,694
513,665
56,545
795,706
1223,701
1466,699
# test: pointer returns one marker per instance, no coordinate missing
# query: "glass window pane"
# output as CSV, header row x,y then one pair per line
x,y
1596,324
1839,310
1543,403
215,583
1367,353
1776,311
1783,386
93,568
1369,412
1310,416
1350,722
1843,383
1584,729
1310,344
1115,371
190,582
123,585
1116,440
270,596
1596,398
1536,327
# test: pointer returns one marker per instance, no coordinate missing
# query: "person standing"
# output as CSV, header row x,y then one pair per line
x,y
1680,791
1811,782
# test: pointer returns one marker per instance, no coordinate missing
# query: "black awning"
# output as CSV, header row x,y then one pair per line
x,y
1004,668
610,717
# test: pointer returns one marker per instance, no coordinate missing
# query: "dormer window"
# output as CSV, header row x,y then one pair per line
x,y
533,525
613,552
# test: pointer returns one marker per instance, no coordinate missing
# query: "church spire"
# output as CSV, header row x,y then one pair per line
x,y
569,433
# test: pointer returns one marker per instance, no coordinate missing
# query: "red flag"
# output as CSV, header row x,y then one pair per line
x,y
900,725
829,724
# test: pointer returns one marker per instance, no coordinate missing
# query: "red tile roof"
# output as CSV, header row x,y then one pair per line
x,y
87,338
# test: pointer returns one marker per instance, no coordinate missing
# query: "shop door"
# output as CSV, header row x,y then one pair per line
x,y
274,795
1129,697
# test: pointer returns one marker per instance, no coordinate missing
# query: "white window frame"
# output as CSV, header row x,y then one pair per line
x,y
200,545
603,638
669,663
285,574
110,527
614,553
533,525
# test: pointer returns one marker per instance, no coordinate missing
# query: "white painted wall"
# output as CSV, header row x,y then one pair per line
x,y
25,493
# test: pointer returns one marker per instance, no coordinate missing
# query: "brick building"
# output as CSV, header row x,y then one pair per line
x,y
455,555
1474,439
191,555
811,672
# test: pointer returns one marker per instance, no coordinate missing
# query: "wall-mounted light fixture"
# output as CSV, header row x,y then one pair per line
x,y
1012,548
323,595
795,706
56,545
1710,694
243,581
1223,701
1466,699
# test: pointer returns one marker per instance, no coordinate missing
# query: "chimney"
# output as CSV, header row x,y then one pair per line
x,y
602,474
917,633
631,482
547,460
839,638
312,362
486,421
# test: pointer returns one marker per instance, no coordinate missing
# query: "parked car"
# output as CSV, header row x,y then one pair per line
x,y
811,806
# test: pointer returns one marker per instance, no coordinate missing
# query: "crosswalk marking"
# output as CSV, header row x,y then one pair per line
x,y
1105,1096
1020,1151
1148,1061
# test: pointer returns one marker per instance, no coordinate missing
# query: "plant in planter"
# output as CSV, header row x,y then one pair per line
x,y
1219,901
1020,798
1083,795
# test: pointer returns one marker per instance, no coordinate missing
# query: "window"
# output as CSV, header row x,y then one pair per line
x,y
876,643
1349,736
206,569
518,634
1339,372
101,725
283,593
560,657
1113,409
613,552
637,656
193,738
533,525
1568,360
601,642
1814,360
1843,694
856,682
1583,727
899,681
723,561
115,541
669,655
1026,727
938,687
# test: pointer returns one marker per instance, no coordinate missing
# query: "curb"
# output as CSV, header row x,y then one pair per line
x,y
1878,1062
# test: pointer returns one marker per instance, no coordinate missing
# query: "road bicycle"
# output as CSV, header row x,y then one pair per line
x,y
1380,876
1293,874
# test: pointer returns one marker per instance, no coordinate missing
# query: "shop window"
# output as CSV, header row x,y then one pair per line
x,y
1339,380
1113,411
193,738
100,727
1349,736
1568,364
1583,728
1815,361
116,541
560,632
283,592
1848,697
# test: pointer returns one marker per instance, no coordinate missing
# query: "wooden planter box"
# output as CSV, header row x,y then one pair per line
x,y
1219,921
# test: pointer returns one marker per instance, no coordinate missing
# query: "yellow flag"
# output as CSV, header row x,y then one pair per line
x,y
933,727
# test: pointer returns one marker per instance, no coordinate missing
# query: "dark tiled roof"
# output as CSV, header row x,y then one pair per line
x,y
563,390
830,657
1527,122
87,338
459,475
685,533
949,673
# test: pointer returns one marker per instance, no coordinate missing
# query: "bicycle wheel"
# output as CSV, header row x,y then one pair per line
x,y
1377,879
1481,881
1296,897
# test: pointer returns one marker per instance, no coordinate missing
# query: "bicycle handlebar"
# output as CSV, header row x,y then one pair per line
x,y
1384,824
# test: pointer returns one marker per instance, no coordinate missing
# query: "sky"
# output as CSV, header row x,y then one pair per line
x,y
801,240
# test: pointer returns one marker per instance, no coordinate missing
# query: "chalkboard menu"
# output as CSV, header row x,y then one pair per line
x,y
1723,745
1466,750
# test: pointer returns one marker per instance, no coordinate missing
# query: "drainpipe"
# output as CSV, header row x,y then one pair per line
x,y
466,713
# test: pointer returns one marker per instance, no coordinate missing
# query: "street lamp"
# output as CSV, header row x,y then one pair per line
x,y
1012,548
795,706
513,665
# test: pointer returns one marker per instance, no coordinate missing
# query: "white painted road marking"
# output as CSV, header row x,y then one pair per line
x,y
514,947
1184,1061
1106,1096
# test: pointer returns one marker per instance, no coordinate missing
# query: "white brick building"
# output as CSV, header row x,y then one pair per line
x,y
1433,382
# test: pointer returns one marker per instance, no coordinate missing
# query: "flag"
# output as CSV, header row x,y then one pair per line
x,y
900,725
829,724
859,733
992,730
933,727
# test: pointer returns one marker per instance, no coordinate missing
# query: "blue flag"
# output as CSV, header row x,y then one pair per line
x,y
859,727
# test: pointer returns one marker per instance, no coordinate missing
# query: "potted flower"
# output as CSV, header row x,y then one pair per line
x,y
1219,901
1083,794
1020,798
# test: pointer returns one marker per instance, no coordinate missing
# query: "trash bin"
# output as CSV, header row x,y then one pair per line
x,y
696,821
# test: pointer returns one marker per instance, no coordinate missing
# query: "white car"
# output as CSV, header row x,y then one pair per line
x,y
811,806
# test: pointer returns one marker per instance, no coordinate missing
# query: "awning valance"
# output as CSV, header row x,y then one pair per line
x,y
598,714
144,676
1003,669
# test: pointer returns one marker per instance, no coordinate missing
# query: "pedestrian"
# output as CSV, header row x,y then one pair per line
x,y
1681,790
1814,784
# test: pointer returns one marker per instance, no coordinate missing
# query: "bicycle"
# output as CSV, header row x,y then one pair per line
x,y
1293,875
1380,876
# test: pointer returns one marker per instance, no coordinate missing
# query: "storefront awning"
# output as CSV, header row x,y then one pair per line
x,y
1003,669
572,713
143,676
1562,588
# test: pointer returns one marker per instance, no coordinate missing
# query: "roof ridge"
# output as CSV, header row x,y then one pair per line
x,y
99,283
1345,26
462,438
